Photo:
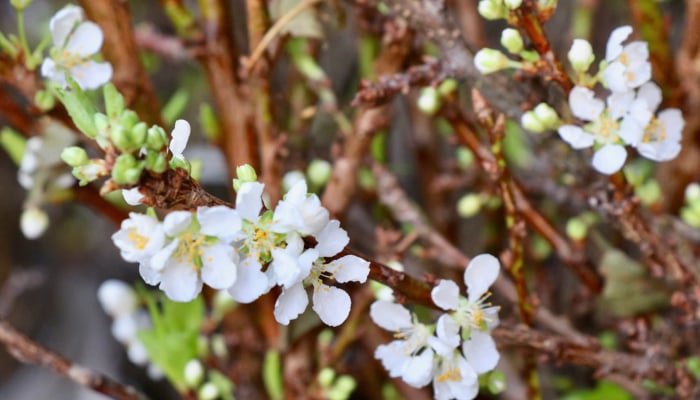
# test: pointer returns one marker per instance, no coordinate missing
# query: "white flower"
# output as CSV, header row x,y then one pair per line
x,y
117,297
607,127
300,211
628,66
291,178
200,252
75,41
409,357
455,378
33,222
139,238
332,304
179,137
474,314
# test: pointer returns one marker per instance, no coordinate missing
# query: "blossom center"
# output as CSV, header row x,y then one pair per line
x,y
189,249
139,241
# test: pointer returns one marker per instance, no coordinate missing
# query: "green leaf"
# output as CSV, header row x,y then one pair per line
x,y
80,108
272,375
175,106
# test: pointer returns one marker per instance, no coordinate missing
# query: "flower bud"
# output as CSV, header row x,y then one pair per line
x,y
511,40
74,156
490,60
343,387
429,100
127,170
245,174
156,162
91,171
319,171
116,297
45,100
465,157
156,138
194,373
469,205
581,55
692,192
326,377
208,391
132,196
101,123
447,87
531,122
139,133
114,101
218,346
20,5
496,381
129,119
33,222
576,229
547,116
492,9
513,4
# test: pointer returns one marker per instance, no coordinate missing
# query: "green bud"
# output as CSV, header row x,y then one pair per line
x,y
429,100
139,133
325,338
469,205
114,101
208,391
693,364
156,138
692,192
89,172
193,373
125,170
581,55
14,144
496,381
649,193
101,123
447,87
74,156
547,116
492,9
319,171
576,229
159,164
44,100
465,157
691,216
511,40
129,119
120,137
531,122
218,346
491,60
245,173
326,377
20,5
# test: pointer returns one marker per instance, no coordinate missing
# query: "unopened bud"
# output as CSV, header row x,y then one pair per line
x,y
492,9
581,55
429,100
75,156
692,192
319,171
490,60
326,377
547,116
127,170
513,4
447,87
20,5
114,101
33,222
156,138
245,174
116,297
91,171
194,373
576,229
208,391
531,122
511,40
469,205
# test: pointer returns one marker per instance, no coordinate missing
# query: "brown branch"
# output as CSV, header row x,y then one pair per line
x,y
175,190
120,49
27,351
148,38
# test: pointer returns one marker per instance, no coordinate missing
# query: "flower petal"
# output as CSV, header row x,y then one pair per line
x,y
650,92
616,77
249,200
219,266
180,282
149,275
446,295
613,49
447,336
86,40
331,304
418,371
63,22
132,196
332,239
91,74
584,104
393,357
179,137
349,268
219,221
609,158
480,274
480,351
390,316
176,222
291,303
251,282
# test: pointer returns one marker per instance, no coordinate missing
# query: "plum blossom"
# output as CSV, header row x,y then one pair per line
x,y
454,378
629,65
75,42
410,356
179,137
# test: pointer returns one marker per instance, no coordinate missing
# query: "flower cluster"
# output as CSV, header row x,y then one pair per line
x,y
628,115
75,42
120,302
458,348
247,252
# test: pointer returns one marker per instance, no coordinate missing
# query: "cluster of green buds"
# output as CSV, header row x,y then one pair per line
x,y
540,119
336,387
492,60
118,131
